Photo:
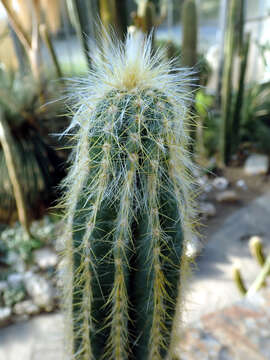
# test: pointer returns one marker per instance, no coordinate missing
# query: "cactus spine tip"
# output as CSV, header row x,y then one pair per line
x,y
129,205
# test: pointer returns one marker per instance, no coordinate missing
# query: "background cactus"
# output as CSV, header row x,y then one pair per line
x,y
113,13
189,49
190,30
256,250
233,43
129,208
236,120
148,17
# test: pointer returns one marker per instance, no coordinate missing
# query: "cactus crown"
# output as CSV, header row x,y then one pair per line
x,y
129,208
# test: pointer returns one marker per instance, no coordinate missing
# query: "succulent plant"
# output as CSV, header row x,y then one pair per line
x,y
190,30
231,113
129,206
38,165
257,251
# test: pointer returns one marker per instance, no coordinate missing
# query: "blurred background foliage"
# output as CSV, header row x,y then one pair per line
x,y
45,42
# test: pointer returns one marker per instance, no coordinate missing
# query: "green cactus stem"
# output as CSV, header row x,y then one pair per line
x,y
236,120
189,50
190,30
113,14
226,92
260,281
238,279
129,207
233,42
256,249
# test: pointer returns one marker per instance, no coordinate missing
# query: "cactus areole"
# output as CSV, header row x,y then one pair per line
x,y
128,205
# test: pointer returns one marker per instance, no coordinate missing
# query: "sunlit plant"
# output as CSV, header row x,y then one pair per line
x,y
129,205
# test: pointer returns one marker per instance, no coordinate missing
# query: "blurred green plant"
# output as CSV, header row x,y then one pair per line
x,y
13,294
254,124
38,166
203,103
14,241
208,125
255,115
17,253
8,149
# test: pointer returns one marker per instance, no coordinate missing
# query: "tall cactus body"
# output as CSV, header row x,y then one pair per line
x,y
189,49
190,30
129,207
233,40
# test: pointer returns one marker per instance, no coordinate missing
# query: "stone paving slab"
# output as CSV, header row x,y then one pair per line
x,y
238,332
37,339
212,287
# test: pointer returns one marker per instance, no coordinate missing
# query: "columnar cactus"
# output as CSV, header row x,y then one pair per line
x,y
190,30
129,206
257,251
233,42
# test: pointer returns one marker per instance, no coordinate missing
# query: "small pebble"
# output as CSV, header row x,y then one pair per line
x,y
256,164
45,258
15,279
241,184
207,209
40,290
227,196
220,183
26,307
5,315
194,247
